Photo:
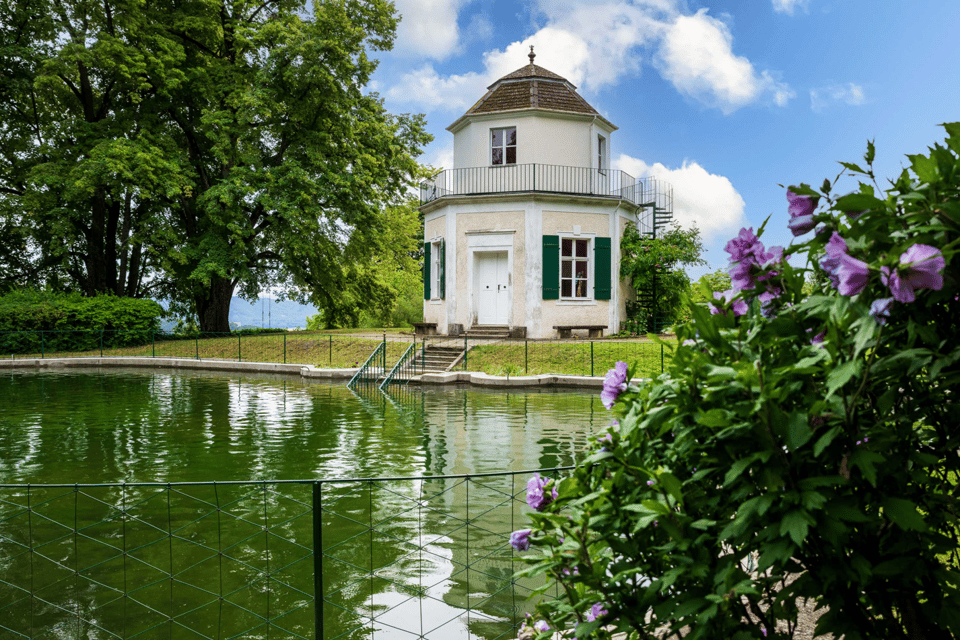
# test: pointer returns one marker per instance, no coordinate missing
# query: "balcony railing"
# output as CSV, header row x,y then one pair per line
x,y
543,178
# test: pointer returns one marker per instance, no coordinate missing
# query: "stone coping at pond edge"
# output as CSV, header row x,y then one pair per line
x,y
307,371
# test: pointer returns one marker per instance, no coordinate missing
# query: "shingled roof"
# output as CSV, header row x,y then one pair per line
x,y
531,87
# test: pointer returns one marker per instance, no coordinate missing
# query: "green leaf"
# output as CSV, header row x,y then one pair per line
x,y
925,168
673,486
849,166
858,202
655,506
824,441
797,524
798,431
842,374
586,629
871,152
866,461
739,467
702,524
904,514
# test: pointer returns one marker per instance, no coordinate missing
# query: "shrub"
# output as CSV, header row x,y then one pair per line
x,y
71,322
799,446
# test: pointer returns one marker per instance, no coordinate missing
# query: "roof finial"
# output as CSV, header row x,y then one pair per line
x,y
531,55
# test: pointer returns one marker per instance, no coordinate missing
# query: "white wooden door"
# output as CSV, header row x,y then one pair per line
x,y
493,298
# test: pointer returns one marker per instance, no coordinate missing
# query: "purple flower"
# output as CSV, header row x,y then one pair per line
x,y
748,257
614,384
801,212
836,247
739,306
541,626
743,246
853,275
880,309
596,611
818,339
520,540
536,497
920,268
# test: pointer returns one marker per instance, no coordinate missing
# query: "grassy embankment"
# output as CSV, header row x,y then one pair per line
x,y
329,350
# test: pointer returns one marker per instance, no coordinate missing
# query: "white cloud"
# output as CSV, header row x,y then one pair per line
x,y
596,43
441,157
428,27
700,198
788,6
426,88
831,94
697,58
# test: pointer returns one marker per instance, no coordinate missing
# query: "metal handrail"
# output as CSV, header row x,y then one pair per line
x,y
545,178
397,367
380,352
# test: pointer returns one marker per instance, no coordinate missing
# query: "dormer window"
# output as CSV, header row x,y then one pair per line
x,y
503,146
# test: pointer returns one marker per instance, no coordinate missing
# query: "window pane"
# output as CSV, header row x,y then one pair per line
x,y
582,248
566,288
497,157
581,289
511,155
566,269
497,137
581,269
566,247
512,136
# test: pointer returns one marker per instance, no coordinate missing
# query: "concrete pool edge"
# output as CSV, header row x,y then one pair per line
x,y
307,371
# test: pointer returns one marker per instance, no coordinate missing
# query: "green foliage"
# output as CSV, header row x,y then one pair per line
x,y
655,267
766,466
67,317
193,150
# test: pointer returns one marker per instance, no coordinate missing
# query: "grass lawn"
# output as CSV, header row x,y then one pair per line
x,y
348,350
572,358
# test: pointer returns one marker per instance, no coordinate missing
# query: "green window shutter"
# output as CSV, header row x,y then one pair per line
x,y
443,268
551,267
601,269
426,270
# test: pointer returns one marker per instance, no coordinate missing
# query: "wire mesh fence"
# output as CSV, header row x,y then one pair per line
x,y
570,356
300,347
400,558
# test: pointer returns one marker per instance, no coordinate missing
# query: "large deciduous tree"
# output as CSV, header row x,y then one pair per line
x,y
194,150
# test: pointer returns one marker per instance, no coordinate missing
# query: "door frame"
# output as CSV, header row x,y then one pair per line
x,y
498,241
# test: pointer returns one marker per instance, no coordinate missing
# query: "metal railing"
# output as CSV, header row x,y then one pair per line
x,y
568,356
318,559
295,347
373,369
405,368
545,178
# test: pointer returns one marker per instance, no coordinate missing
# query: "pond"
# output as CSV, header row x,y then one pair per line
x,y
407,557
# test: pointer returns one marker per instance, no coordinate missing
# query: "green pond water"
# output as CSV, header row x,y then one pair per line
x,y
402,558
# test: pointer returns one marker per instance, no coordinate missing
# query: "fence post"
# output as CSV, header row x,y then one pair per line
x,y
101,343
464,352
239,352
284,348
42,346
526,371
331,348
196,344
591,358
661,358
318,560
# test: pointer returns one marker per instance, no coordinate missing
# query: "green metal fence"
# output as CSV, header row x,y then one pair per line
x,y
571,356
299,347
424,557
577,356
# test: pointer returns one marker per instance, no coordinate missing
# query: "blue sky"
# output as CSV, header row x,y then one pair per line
x,y
724,99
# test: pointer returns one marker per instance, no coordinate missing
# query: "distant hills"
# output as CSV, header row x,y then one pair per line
x,y
265,312
270,313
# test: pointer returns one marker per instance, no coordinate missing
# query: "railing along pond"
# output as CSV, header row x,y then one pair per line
x,y
408,366
427,557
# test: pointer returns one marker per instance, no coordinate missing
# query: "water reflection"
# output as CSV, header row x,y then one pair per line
x,y
421,556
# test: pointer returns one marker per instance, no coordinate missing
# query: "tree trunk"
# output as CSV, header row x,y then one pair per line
x,y
213,309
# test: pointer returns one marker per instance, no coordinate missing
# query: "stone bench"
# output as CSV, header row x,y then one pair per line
x,y
425,328
596,330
